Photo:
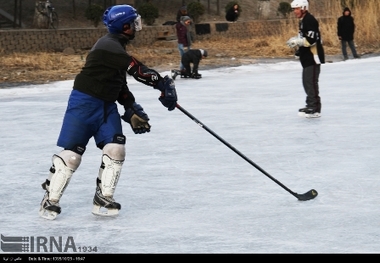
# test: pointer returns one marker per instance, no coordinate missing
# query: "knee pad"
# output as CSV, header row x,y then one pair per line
x,y
71,159
64,165
59,178
115,151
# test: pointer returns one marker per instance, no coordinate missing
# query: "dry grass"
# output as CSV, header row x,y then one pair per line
x,y
45,67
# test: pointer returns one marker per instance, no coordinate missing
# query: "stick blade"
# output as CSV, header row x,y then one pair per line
x,y
308,195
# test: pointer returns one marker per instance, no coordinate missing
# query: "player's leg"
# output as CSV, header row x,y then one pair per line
x,y
112,142
63,166
73,138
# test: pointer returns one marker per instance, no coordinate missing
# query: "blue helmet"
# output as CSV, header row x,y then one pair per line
x,y
115,17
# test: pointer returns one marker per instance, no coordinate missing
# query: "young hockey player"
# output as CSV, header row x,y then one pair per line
x,y
311,55
92,112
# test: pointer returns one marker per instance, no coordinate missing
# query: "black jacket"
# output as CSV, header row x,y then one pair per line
x,y
104,74
346,26
192,56
313,54
231,15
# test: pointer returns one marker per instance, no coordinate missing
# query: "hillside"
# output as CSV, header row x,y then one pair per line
x,y
70,17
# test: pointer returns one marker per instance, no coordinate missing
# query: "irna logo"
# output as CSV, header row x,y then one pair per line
x,y
37,244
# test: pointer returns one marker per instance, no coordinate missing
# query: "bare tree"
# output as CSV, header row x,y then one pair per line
x,y
74,10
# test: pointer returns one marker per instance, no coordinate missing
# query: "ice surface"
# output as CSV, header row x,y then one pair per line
x,y
183,191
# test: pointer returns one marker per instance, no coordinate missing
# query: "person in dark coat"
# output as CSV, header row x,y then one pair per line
x,y
193,56
181,12
183,36
232,14
346,30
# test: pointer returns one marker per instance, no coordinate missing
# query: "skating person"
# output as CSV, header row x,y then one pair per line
x,y
193,56
311,55
92,112
346,30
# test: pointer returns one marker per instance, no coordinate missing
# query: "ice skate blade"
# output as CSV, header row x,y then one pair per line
x,y
101,211
314,115
49,215
301,114
309,116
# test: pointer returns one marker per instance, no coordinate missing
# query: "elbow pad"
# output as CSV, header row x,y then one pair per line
x,y
142,73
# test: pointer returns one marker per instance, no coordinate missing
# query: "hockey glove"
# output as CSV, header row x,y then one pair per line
x,y
168,96
295,41
137,118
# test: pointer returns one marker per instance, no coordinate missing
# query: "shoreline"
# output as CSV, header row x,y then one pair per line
x,y
218,63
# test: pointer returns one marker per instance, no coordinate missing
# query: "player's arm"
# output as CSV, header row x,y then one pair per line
x,y
151,77
142,73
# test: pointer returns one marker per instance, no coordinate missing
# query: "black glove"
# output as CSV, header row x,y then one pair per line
x,y
168,96
137,118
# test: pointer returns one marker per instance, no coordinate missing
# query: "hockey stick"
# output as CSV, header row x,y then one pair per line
x,y
301,197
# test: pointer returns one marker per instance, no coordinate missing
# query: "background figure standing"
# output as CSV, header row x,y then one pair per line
x,y
346,30
311,55
232,14
181,12
183,36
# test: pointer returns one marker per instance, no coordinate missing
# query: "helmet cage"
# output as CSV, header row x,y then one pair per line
x,y
137,24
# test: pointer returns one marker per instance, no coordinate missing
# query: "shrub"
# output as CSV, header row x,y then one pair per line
x,y
284,8
196,10
148,13
94,13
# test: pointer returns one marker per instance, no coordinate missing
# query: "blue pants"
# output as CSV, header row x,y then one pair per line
x,y
181,49
87,117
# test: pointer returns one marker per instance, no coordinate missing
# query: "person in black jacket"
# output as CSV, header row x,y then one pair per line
x,y
181,12
92,112
193,56
311,55
346,30
232,14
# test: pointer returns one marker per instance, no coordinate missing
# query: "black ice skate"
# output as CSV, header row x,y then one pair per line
x,y
196,76
182,73
49,209
308,113
175,73
104,206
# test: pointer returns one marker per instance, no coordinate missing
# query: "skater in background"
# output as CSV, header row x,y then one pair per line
x,y
92,112
346,30
183,37
311,56
193,56
232,14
